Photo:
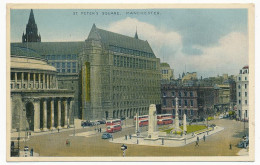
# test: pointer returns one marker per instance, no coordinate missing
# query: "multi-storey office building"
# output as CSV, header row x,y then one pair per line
x,y
243,94
120,75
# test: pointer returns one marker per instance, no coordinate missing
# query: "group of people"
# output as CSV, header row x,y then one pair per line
x,y
98,129
198,139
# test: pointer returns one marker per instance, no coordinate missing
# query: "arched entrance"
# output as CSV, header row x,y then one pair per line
x,y
30,116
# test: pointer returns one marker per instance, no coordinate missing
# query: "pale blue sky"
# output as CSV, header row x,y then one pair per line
x,y
196,33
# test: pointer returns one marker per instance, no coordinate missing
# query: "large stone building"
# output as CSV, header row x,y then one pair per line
x,y
243,94
120,75
112,75
187,97
37,104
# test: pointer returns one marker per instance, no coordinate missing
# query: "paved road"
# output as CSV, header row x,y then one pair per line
x,y
215,145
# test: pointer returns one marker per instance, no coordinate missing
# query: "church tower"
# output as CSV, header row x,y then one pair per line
x,y
31,34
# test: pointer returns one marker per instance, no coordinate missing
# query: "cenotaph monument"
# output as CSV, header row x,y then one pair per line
x,y
152,127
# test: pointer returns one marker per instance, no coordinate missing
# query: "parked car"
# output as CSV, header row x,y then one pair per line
x,y
122,118
86,123
102,121
106,136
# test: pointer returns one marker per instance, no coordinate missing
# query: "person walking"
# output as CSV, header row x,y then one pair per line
x,y
197,144
204,138
100,130
198,139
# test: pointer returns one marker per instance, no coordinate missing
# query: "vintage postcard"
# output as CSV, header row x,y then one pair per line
x,y
150,82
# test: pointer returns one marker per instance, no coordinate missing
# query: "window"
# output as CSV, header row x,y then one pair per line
x,y
69,57
58,57
173,93
179,101
191,103
246,102
239,78
180,112
179,94
185,102
246,94
245,86
239,86
245,78
239,94
173,103
185,94
191,94
63,70
239,101
63,65
68,64
164,94
74,65
63,57
164,102
245,113
73,70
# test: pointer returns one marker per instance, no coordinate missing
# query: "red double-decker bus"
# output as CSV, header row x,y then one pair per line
x,y
114,128
143,117
164,121
164,116
113,122
143,123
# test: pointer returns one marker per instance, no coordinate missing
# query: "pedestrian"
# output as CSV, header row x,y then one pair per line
x,y
204,138
100,130
162,141
230,146
197,144
58,130
31,153
130,136
125,137
198,139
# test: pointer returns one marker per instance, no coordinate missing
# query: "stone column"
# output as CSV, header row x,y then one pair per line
x,y
29,80
48,81
43,81
15,80
184,123
44,115
56,87
152,127
36,105
71,110
22,79
39,80
65,104
52,114
59,114
34,79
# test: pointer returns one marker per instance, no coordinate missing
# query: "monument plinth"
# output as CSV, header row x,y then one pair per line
x,y
152,127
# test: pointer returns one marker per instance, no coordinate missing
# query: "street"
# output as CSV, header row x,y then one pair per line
x,y
215,145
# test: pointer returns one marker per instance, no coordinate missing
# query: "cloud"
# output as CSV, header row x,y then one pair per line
x,y
163,43
227,56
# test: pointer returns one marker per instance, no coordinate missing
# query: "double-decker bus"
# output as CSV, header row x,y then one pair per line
x,y
113,122
164,121
143,123
164,116
143,117
114,128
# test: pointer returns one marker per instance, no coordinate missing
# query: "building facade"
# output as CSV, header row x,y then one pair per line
x,y
37,104
167,72
119,75
243,94
187,99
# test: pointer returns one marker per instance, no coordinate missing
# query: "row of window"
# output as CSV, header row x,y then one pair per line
x,y
239,78
130,51
164,71
239,94
65,67
239,102
185,111
179,102
129,62
61,57
239,86
239,113
180,94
